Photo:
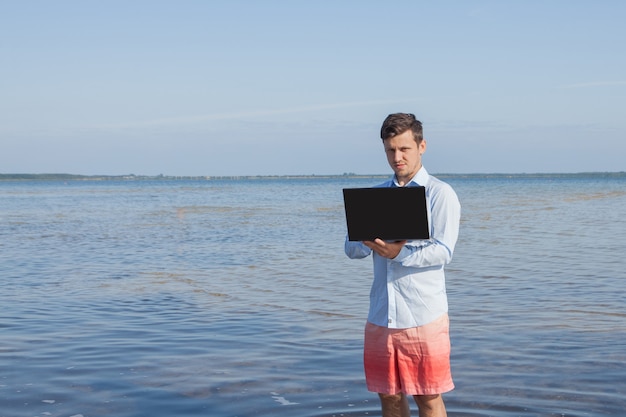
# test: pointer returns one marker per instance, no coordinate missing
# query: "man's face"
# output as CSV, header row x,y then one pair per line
x,y
404,155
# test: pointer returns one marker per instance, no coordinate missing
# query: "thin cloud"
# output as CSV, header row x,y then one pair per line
x,y
595,84
252,113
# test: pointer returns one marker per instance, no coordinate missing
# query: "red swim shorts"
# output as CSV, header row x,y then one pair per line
x,y
414,361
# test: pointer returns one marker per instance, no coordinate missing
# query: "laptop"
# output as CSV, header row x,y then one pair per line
x,y
389,213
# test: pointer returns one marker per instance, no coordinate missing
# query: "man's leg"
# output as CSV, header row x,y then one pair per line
x,y
430,405
394,405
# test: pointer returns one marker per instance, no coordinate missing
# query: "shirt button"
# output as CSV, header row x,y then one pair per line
x,y
389,321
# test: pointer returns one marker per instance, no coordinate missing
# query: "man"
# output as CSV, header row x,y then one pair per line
x,y
407,342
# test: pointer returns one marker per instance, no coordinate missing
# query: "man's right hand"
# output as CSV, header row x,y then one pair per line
x,y
385,249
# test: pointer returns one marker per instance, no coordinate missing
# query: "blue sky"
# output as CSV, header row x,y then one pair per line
x,y
301,87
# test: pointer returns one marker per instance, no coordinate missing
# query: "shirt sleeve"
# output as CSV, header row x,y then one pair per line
x,y
436,251
356,250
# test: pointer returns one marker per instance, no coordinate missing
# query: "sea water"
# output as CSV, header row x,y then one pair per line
x,y
233,297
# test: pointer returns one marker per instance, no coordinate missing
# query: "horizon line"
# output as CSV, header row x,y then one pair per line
x,y
344,174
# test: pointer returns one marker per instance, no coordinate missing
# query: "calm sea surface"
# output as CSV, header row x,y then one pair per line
x,y
228,298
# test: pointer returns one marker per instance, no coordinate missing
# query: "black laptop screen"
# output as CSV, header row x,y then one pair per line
x,y
389,213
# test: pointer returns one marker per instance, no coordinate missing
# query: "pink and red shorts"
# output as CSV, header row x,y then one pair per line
x,y
414,361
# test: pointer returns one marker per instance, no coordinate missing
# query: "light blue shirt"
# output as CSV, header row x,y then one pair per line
x,y
410,290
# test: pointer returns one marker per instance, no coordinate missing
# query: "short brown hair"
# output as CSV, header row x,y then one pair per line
x,y
398,123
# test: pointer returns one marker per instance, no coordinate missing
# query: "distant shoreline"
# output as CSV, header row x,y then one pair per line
x,y
132,177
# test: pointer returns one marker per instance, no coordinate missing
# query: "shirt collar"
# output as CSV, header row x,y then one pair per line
x,y
419,179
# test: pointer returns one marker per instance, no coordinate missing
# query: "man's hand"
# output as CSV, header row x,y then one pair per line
x,y
385,249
